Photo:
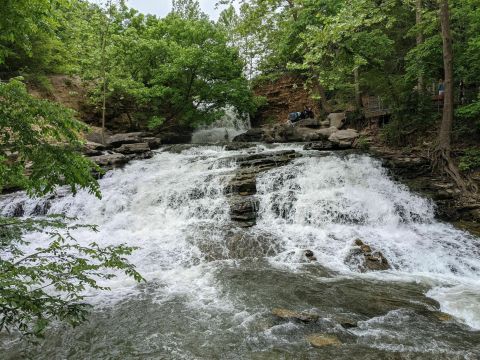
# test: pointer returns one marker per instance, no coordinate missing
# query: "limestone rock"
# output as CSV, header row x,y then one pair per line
x,y
309,123
113,160
320,145
321,340
153,142
135,148
293,315
93,149
337,119
125,138
344,138
365,259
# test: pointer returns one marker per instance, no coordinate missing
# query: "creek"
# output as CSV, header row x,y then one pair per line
x,y
211,286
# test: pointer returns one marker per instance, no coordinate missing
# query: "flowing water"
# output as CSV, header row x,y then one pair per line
x,y
211,287
225,129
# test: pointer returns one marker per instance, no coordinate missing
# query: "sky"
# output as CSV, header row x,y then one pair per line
x,y
163,7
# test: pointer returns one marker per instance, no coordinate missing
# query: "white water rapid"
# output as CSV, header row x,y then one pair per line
x,y
211,286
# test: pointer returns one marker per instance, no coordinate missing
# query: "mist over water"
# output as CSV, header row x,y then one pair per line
x,y
223,130
211,286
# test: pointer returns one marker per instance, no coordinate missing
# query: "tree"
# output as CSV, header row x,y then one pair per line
x,y
39,143
442,156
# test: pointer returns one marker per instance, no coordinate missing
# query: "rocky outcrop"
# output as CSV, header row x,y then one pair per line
x,y
337,120
136,148
120,148
285,133
344,138
125,138
243,185
110,160
364,259
414,169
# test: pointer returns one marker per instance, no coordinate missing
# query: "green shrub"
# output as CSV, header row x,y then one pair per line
x,y
471,160
412,118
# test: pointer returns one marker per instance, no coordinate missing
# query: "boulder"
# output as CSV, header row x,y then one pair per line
x,y
309,123
293,315
110,160
153,142
320,145
337,120
344,138
126,138
365,259
252,135
321,340
310,255
93,149
136,148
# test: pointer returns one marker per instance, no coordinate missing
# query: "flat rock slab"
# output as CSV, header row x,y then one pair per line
x,y
344,137
135,148
293,315
110,159
126,138
321,340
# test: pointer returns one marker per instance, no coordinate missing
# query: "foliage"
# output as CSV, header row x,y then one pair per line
x,y
39,145
412,118
470,160
48,283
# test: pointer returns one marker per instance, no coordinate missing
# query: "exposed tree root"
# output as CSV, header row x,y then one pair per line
x,y
442,162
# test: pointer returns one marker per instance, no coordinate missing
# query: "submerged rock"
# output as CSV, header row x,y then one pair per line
x,y
310,255
321,340
293,315
365,259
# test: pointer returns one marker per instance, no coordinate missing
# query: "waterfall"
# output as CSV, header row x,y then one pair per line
x,y
210,284
223,130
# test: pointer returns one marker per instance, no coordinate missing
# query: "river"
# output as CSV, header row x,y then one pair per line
x,y
211,286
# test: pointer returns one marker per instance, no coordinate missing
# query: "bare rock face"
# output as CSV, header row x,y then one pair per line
x,y
126,138
293,315
344,138
93,149
135,148
242,187
337,120
110,160
364,259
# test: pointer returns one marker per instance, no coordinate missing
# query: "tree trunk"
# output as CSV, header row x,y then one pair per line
x,y
358,99
441,157
447,120
418,21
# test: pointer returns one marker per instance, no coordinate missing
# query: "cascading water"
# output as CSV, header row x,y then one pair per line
x,y
224,130
211,286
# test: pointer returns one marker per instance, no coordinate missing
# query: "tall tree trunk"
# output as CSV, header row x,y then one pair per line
x,y
442,157
358,99
447,120
418,21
